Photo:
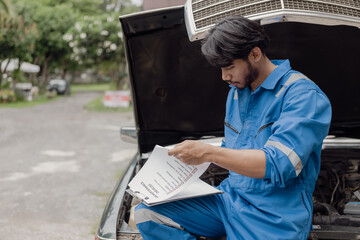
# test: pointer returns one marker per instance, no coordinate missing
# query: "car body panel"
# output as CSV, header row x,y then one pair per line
x,y
159,52
109,220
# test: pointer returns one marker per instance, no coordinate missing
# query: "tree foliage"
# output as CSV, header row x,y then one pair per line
x,y
51,50
4,6
96,43
17,38
65,35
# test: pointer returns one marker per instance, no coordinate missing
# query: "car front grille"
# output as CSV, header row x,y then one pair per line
x,y
207,12
342,7
209,15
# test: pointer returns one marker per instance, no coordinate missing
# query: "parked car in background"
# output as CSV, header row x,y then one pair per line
x,y
60,86
177,95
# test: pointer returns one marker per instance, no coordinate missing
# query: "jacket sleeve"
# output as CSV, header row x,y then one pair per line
x,y
302,125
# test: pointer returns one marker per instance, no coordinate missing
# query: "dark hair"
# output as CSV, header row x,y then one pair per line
x,y
233,38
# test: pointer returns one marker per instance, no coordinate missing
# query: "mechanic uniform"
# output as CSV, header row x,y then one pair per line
x,y
287,117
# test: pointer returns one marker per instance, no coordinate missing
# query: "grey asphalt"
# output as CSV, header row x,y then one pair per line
x,y
58,165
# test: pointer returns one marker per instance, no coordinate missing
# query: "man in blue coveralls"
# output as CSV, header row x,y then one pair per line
x,y
276,120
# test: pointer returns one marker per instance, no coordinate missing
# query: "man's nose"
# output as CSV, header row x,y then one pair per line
x,y
225,76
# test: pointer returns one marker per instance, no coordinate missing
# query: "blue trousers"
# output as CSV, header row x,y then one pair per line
x,y
198,216
282,215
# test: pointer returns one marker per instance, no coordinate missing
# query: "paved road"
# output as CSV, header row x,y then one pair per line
x,y
58,165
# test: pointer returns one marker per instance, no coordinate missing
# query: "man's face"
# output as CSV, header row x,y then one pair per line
x,y
240,73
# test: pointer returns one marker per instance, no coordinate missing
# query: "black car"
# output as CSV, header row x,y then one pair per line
x,y
177,95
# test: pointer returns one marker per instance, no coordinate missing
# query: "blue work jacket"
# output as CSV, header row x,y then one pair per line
x,y
287,117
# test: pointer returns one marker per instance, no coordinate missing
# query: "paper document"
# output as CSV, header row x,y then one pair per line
x,y
165,178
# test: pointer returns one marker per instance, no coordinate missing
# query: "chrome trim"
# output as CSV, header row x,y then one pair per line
x,y
128,134
332,142
308,17
218,13
211,5
225,11
277,15
190,23
332,3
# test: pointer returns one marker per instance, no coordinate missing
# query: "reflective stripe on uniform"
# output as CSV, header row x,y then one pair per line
x,y
291,154
294,77
145,215
236,97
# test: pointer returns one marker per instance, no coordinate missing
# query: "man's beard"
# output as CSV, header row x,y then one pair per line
x,y
252,74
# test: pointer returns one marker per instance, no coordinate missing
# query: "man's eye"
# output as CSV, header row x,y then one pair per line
x,y
227,68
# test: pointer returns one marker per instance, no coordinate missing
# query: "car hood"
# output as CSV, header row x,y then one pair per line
x,y
177,95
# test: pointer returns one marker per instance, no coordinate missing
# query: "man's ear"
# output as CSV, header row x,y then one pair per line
x,y
255,54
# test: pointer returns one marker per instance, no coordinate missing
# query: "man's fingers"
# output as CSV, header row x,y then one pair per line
x,y
171,152
178,149
183,143
174,151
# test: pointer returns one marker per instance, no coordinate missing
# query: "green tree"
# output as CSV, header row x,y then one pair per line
x,y
97,42
51,50
66,35
17,38
83,7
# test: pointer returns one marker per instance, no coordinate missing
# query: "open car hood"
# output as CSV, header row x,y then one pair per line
x,y
177,95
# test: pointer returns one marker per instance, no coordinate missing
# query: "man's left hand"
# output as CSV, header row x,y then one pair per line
x,y
191,152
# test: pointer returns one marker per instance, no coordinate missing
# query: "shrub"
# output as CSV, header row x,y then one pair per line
x,y
7,95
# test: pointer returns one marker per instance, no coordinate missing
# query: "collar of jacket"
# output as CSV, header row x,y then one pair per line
x,y
283,66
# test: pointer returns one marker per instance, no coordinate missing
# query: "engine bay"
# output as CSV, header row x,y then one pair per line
x,y
337,193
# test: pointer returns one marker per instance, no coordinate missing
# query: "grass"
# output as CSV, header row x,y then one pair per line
x,y
97,105
90,87
24,104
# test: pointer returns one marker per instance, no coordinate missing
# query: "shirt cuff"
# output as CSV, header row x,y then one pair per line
x,y
267,166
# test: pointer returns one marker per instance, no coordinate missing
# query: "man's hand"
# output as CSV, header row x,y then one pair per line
x,y
191,152
247,162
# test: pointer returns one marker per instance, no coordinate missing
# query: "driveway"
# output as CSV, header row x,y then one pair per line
x,y
58,165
